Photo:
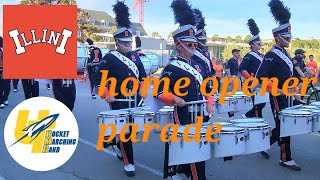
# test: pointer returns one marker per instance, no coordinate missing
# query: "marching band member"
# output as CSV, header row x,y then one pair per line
x,y
249,66
251,63
92,64
201,55
64,90
122,64
183,66
277,63
4,83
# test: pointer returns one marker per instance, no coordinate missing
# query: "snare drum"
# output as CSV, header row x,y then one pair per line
x,y
257,136
223,108
117,117
143,117
188,152
232,142
295,122
164,117
316,117
247,120
242,102
258,98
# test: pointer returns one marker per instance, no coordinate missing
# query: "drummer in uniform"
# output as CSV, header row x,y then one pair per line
x,y
277,63
201,55
249,66
93,63
183,66
121,64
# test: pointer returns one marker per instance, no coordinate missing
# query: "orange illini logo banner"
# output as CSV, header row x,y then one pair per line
x,y
40,41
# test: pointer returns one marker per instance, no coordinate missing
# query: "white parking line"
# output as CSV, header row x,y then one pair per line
x,y
137,163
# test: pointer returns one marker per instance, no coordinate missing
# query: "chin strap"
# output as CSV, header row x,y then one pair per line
x,y
285,41
185,47
127,48
257,45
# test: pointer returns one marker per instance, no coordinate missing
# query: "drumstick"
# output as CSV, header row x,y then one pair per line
x,y
140,102
196,102
123,100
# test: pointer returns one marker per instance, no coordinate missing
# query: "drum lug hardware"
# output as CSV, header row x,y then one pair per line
x,y
317,118
218,138
115,120
181,143
295,120
263,135
200,145
248,135
236,139
144,119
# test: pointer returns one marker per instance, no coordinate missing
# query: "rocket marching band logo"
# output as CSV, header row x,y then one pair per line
x,y
42,44
41,134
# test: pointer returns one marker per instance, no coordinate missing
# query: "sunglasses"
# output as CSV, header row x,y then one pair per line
x,y
190,44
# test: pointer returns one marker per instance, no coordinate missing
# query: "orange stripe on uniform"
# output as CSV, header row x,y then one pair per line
x,y
175,114
194,171
125,158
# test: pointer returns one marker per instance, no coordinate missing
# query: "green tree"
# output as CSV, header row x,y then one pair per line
x,y
246,39
227,52
170,35
155,34
228,39
216,37
113,29
238,39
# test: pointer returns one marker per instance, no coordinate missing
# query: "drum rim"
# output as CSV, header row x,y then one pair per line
x,y
122,114
234,120
265,126
296,114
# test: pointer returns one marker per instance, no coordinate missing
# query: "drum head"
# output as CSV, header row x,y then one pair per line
x,y
247,120
315,104
295,112
191,131
113,113
251,125
309,107
165,111
317,111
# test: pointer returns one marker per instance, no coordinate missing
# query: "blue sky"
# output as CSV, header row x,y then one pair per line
x,y
223,17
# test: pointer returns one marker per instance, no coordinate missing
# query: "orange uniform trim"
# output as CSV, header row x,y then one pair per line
x,y
210,100
245,74
269,87
105,93
168,99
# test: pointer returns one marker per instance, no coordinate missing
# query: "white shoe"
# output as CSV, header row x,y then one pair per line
x,y
6,103
291,165
244,116
2,105
130,170
15,90
179,177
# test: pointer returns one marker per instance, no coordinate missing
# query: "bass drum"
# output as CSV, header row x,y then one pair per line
x,y
154,60
82,57
147,64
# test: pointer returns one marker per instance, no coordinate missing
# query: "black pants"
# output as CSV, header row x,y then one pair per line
x,y
219,83
256,110
91,73
283,142
15,83
183,117
30,88
65,93
4,90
